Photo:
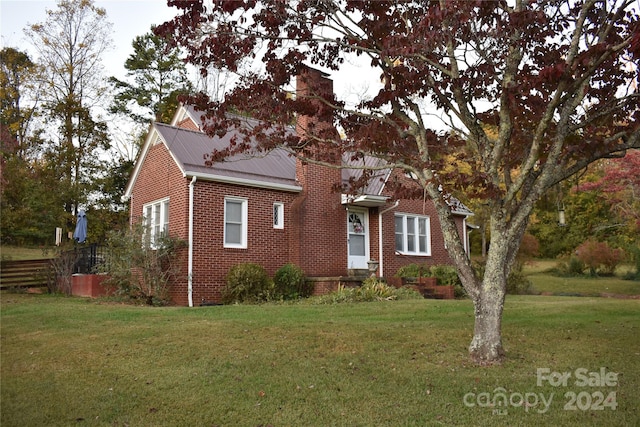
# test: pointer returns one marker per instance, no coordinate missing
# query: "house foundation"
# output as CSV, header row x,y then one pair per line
x,y
326,285
88,285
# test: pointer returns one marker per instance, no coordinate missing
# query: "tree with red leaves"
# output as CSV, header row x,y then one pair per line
x,y
620,188
531,92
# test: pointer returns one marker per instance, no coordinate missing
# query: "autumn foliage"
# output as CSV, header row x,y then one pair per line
x,y
599,257
619,187
520,95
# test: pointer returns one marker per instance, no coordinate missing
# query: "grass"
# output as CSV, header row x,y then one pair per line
x,y
72,361
584,286
19,253
538,272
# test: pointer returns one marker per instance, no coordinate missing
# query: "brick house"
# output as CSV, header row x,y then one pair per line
x,y
273,209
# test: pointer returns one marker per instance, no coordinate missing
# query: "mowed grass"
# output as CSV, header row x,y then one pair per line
x,y
538,271
71,361
19,253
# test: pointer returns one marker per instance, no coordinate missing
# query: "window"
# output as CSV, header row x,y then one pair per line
x,y
413,234
235,223
156,220
278,215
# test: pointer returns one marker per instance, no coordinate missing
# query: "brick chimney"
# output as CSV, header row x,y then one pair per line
x,y
319,245
316,124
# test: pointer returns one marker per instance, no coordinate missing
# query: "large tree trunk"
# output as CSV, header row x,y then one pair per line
x,y
486,345
488,292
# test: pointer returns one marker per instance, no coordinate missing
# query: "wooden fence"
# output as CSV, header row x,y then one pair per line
x,y
26,274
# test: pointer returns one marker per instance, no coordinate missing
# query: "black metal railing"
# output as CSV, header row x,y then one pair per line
x,y
88,258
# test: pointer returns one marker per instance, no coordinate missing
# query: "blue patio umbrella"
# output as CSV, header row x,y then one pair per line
x,y
80,234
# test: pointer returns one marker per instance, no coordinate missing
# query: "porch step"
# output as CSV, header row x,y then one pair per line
x,y
429,288
359,272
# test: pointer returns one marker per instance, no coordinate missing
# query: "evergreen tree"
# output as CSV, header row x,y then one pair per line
x,y
156,76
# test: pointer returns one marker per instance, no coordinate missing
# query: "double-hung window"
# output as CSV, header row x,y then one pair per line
x,y
156,220
413,234
235,223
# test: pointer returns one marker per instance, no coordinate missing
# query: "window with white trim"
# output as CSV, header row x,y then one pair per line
x,y
413,234
156,220
278,215
235,223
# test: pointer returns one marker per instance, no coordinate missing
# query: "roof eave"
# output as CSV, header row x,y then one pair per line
x,y
244,182
462,213
364,200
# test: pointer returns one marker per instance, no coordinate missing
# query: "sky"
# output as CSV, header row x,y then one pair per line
x,y
130,18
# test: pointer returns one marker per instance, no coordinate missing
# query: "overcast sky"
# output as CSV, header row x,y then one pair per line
x,y
130,18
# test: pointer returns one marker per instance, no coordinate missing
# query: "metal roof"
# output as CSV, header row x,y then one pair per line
x,y
278,166
273,169
189,149
354,169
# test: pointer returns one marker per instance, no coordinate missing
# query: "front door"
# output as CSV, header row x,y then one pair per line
x,y
358,238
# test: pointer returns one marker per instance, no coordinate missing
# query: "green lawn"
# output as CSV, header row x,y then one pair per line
x,y
538,272
72,361
18,253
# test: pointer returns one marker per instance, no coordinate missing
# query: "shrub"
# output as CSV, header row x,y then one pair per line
x,y
63,265
138,271
517,282
573,267
372,289
413,270
634,275
247,282
290,283
445,274
529,247
342,295
576,266
599,257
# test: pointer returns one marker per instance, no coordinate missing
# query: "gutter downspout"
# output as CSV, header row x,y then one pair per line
x,y
190,262
395,205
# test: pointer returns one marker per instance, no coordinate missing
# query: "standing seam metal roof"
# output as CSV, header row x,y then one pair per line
x,y
189,149
278,166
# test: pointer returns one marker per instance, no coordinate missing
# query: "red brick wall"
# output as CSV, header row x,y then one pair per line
x,y
314,235
188,124
392,261
160,178
269,247
266,246
321,229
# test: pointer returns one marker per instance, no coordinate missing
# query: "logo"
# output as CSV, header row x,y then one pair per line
x,y
592,393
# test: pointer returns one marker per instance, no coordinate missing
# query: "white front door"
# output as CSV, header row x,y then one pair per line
x,y
358,238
